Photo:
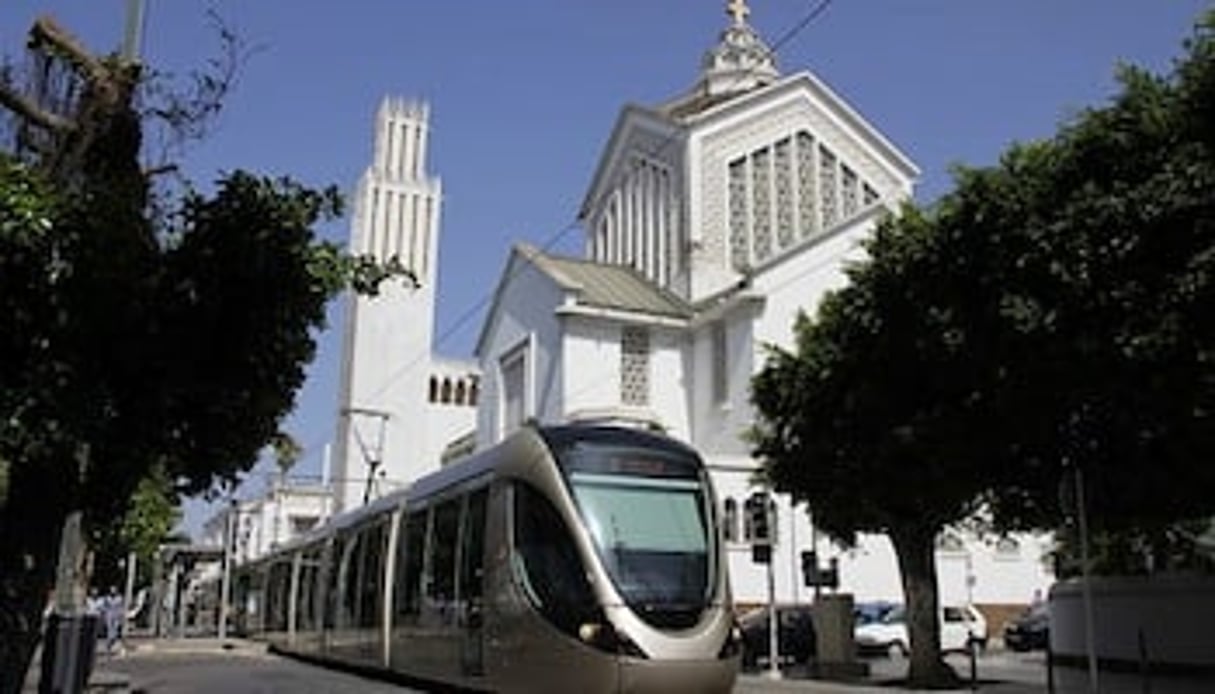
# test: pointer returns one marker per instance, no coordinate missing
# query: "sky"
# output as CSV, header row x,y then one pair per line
x,y
523,96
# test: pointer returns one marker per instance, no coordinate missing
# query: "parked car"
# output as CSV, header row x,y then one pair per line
x,y
1030,630
962,627
795,633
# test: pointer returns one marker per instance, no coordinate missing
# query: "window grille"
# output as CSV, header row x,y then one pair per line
x,y
739,252
827,186
635,366
761,196
782,169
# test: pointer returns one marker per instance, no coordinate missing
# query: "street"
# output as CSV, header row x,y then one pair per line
x,y
188,666
237,672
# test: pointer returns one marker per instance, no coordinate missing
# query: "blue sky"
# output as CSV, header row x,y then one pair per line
x,y
523,95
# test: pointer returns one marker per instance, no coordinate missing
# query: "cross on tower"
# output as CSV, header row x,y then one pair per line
x,y
738,10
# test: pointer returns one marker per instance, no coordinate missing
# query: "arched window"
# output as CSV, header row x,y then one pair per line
x,y
472,393
729,520
445,398
434,389
460,392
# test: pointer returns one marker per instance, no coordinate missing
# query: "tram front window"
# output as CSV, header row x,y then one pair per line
x,y
647,512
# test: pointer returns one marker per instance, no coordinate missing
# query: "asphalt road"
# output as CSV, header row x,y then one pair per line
x,y
206,667
238,673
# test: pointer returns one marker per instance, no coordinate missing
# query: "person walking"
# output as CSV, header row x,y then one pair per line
x,y
113,612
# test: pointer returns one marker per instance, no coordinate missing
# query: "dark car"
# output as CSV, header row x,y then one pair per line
x,y
796,634
1030,630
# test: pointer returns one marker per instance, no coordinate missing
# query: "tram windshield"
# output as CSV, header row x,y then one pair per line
x,y
647,511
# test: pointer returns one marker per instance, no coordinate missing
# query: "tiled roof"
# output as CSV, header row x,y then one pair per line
x,y
616,287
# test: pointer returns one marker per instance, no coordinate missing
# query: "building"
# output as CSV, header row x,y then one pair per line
x,y
260,524
400,405
711,220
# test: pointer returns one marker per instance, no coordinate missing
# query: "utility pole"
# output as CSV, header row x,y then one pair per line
x,y
225,586
132,43
373,456
1089,630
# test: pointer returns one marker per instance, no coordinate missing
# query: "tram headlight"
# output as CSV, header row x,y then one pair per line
x,y
603,636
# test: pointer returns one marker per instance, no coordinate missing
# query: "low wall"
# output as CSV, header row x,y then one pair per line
x,y
1174,614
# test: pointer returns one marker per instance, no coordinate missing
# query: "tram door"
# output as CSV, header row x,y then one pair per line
x,y
471,587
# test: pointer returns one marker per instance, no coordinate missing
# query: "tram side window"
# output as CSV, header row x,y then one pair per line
x,y
306,605
278,590
348,574
371,574
547,565
472,547
442,589
332,580
410,552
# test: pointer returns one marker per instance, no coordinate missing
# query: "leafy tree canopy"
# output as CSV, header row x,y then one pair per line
x,y
1052,313
139,333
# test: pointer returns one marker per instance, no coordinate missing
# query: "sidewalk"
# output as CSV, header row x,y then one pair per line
x,y
104,680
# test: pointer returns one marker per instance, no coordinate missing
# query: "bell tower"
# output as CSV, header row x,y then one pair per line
x,y
387,342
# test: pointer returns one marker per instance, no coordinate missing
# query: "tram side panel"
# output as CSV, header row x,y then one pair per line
x,y
539,598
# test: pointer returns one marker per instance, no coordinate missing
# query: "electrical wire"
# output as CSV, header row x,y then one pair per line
x,y
815,11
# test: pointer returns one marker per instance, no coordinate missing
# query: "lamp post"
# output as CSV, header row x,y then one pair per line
x,y
225,586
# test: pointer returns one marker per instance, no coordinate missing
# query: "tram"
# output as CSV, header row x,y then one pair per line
x,y
567,558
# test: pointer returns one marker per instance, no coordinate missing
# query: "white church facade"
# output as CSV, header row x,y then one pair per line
x,y
711,221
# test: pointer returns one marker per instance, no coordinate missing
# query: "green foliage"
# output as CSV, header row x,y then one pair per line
x,y
1053,312
151,515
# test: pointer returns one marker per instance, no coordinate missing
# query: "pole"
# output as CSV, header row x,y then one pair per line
x,y
129,594
773,626
133,39
1089,630
226,579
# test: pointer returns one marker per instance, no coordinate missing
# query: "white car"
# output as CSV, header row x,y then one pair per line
x,y
962,627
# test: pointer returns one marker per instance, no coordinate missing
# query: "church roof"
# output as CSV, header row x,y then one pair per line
x,y
740,62
614,287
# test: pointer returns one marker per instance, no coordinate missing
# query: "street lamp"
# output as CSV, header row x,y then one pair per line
x,y
225,586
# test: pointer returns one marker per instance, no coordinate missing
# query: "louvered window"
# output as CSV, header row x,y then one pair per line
x,y
635,366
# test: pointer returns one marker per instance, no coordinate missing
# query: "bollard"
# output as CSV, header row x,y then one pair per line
x,y
1145,674
1050,669
973,649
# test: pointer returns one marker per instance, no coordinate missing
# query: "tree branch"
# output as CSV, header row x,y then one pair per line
x,y
47,33
31,113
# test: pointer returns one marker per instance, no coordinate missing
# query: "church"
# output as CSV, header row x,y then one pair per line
x,y
711,220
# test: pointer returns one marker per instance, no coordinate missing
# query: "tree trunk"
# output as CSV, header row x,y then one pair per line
x,y
917,567
27,570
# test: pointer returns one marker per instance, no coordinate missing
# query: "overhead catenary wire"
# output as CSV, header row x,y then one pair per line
x,y
468,314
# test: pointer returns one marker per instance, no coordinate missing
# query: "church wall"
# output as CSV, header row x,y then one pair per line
x,y
799,283
592,364
718,424
636,218
385,398
788,120
523,319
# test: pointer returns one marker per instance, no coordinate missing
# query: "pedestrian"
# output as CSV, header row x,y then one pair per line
x,y
113,613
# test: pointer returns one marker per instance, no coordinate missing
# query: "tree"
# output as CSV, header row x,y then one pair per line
x,y
133,340
1050,314
151,515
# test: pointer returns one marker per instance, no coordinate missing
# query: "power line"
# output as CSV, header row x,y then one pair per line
x,y
816,10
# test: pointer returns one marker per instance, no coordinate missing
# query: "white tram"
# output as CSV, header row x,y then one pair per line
x,y
572,558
